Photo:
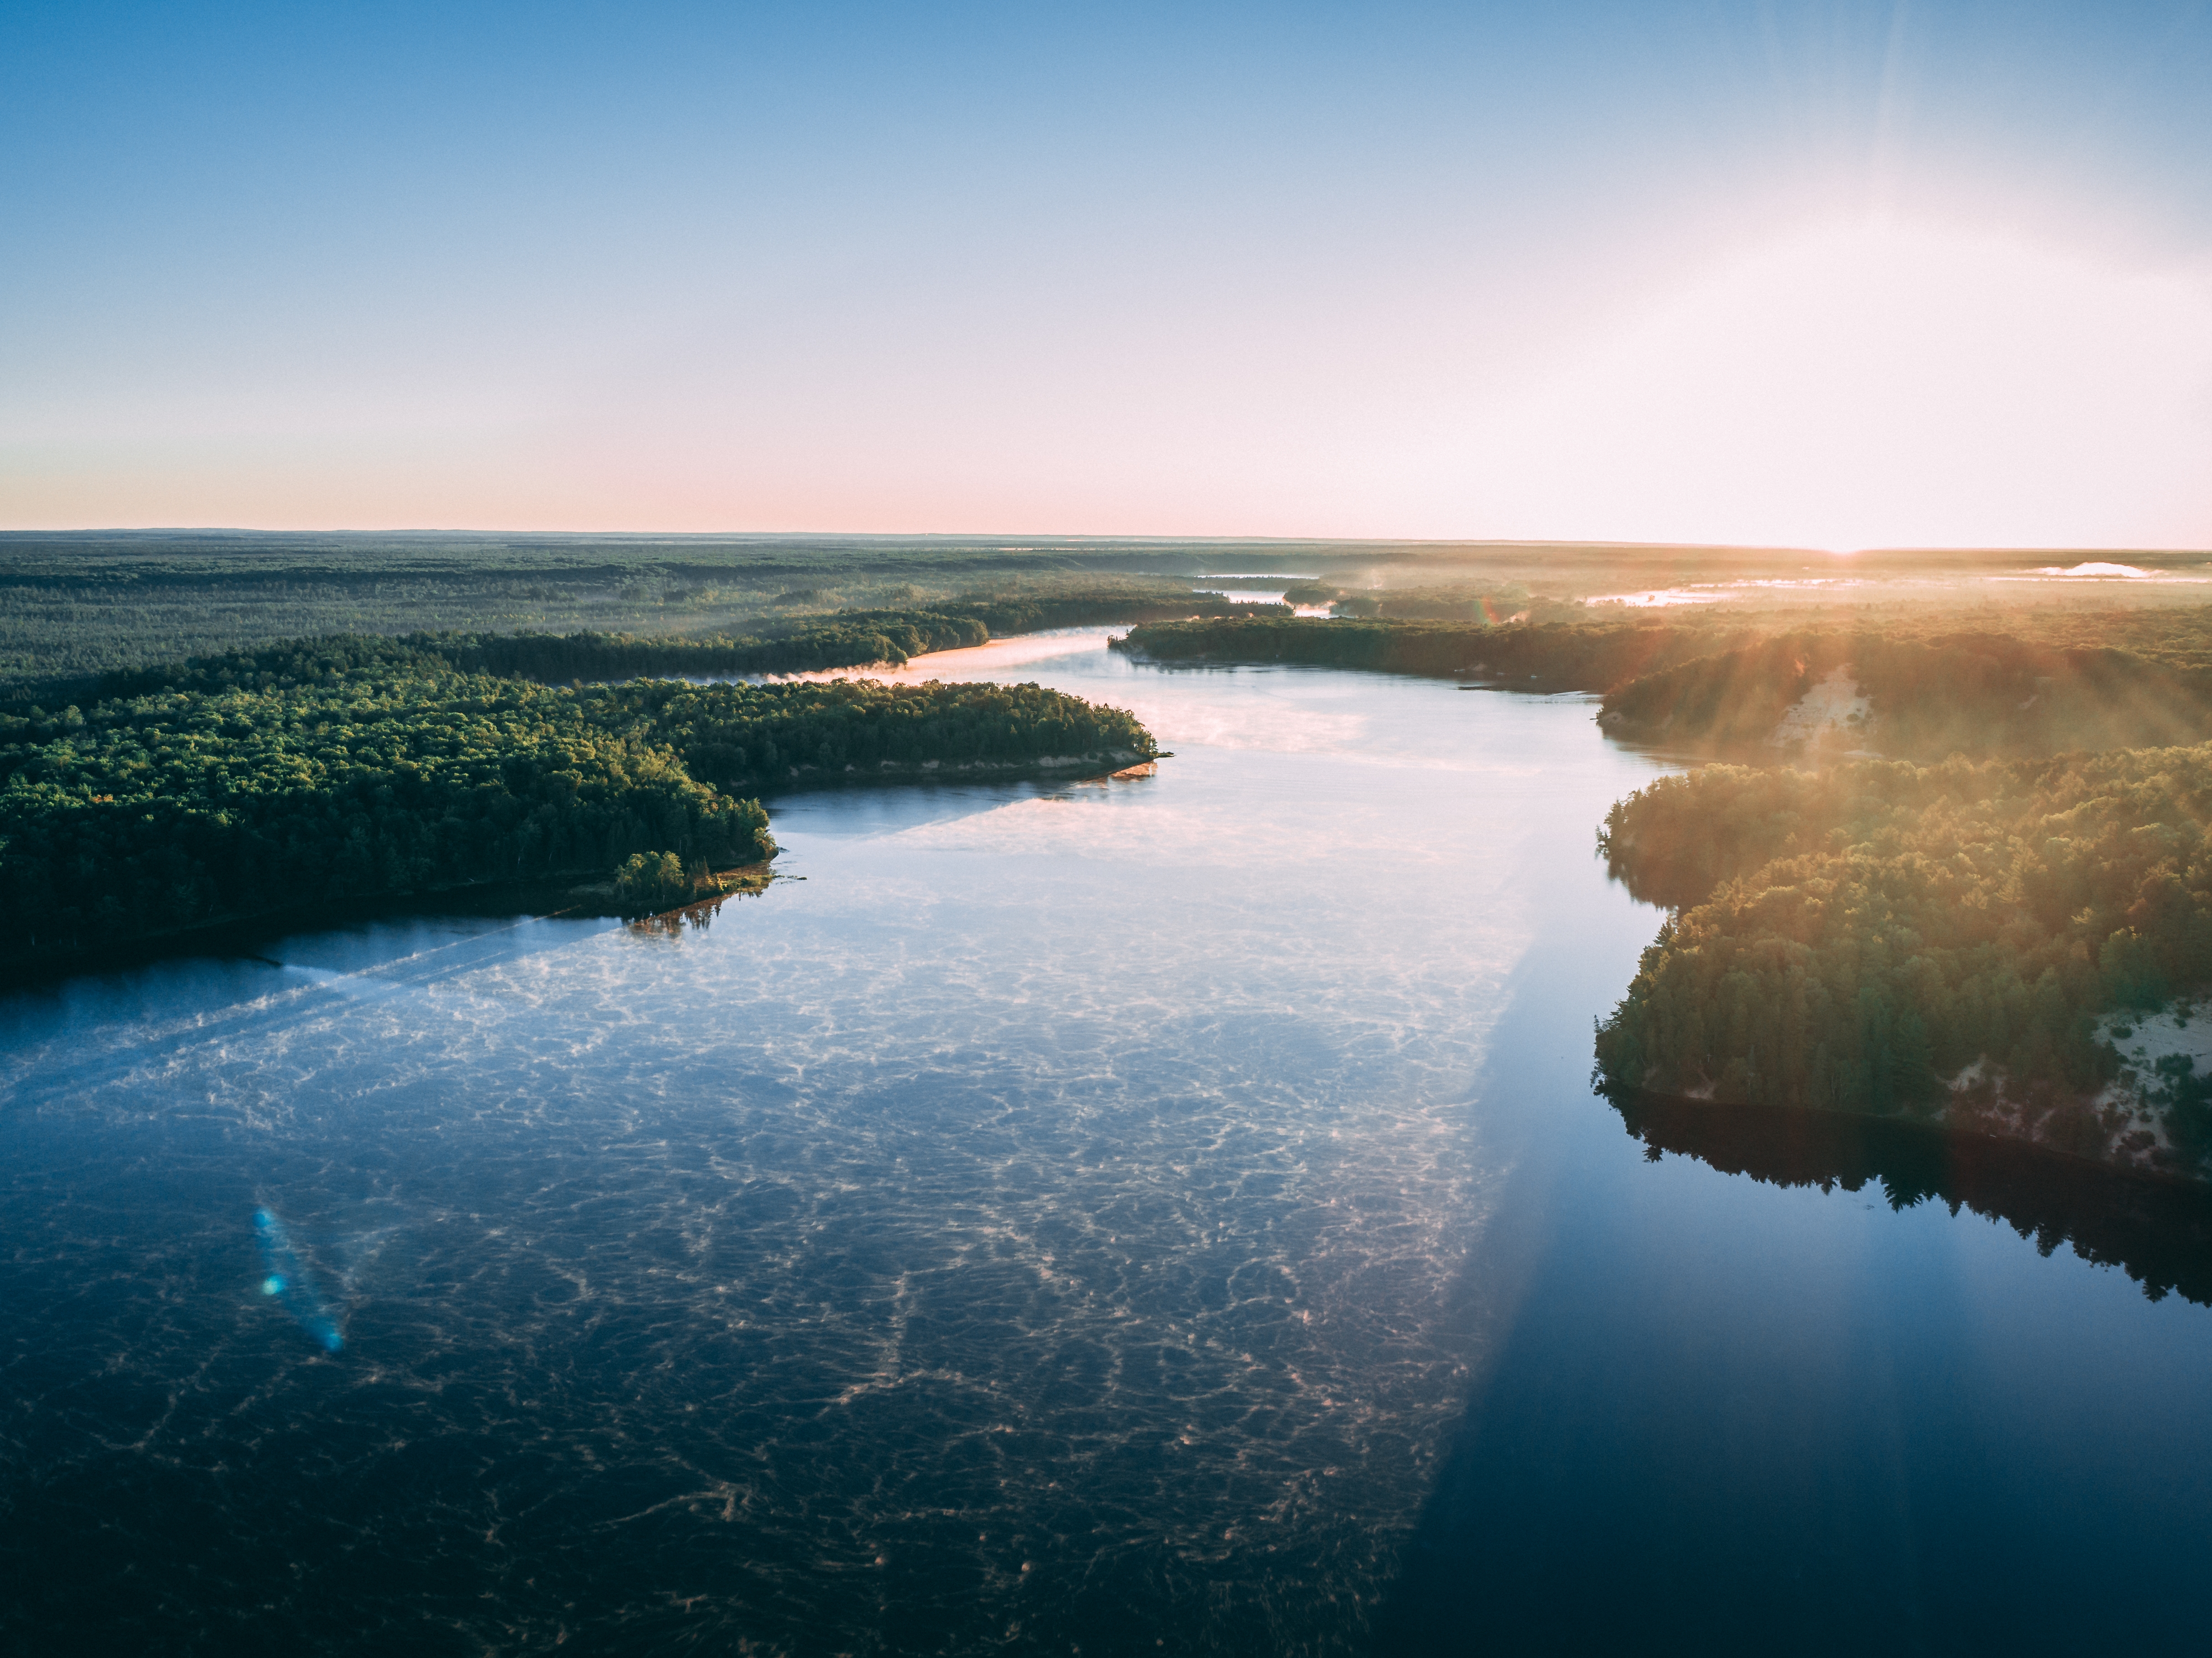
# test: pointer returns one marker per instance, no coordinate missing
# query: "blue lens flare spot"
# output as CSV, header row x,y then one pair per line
x,y
289,1281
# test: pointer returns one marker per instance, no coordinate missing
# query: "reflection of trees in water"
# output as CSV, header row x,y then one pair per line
x,y
694,918
2157,1231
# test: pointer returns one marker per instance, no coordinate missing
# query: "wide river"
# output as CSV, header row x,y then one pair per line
x,y
1162,1216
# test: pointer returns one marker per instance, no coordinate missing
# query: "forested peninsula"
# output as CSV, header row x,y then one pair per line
x,y
1961,942
263,781
1923,698
1960,866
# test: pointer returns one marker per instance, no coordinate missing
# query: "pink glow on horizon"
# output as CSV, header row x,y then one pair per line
x,y
1855,384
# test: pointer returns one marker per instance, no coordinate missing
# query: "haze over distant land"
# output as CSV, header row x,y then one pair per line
x,y
1826,276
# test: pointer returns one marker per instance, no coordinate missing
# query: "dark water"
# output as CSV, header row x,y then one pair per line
x,y
1160,1217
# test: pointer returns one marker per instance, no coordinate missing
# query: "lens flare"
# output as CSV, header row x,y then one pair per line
x,y
288,1281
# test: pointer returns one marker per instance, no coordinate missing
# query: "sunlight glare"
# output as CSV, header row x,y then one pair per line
x,y
1872,384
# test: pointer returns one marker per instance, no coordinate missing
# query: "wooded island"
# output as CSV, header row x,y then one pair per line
x,y
350,767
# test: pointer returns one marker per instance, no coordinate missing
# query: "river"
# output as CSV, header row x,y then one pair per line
x,y
1156,1216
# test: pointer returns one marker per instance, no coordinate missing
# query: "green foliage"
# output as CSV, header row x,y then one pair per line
x,y
1846,937
260,782
1537,655
755,737
1714,681
73,607
180,807
650,881
76,605
1971,693
849,638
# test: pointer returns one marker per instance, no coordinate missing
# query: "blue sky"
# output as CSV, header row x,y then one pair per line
x,y
1829,275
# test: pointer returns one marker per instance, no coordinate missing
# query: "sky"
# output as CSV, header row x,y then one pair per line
x,y
1827,275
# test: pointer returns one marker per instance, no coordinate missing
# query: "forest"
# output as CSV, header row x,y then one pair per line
x,y
1582,655
851,639
73,608
1951,693
1946,932
1882,936
82,604
1720,681
1958,931
270,781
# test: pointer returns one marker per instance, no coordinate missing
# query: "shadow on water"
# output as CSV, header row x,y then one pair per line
x,y
250,939
1710,1420
2158,1231
1763,1396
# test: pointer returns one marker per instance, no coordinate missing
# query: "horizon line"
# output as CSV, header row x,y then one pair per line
x,y
1000,537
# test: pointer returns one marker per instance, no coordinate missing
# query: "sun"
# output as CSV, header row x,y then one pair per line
x,y
1872,383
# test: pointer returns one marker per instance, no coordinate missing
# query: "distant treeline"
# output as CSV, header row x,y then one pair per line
x,y
853,641
850,639
1705,681
1484,605
1543,656
262,781
1849,939
845,639
1957,693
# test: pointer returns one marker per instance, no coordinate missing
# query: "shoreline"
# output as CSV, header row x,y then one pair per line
x,y
1933,1131
2154,1224
580,893
1057,768
237,936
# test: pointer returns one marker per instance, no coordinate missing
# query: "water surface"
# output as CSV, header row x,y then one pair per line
x,y
1160,1215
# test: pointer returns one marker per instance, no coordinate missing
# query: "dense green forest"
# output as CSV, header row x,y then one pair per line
x,y
64,639
755,737
849,638
77,606
269,781
1851,938
483,714
1956,693
1587,655
84,604
1722,680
